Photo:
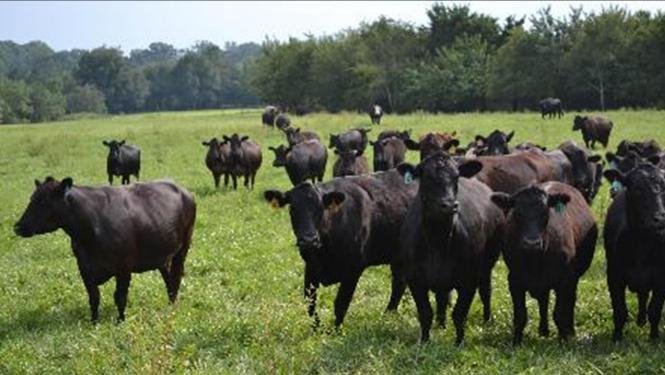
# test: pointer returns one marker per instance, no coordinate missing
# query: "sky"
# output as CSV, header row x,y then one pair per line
x,y
130,25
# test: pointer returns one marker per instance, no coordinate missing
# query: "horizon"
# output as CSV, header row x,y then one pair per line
x,y
85,25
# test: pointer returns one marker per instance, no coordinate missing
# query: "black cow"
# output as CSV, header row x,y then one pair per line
x,y
282,121
451,238
246,159
344,226
115,232
294,135
549,244
594,128
349,163
644,149
551,107
388,153
587,169
218,160
494,144
268,116
354,139
304,160
123,160
403,134
375,114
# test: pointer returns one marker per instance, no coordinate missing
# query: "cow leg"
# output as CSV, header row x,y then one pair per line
x,y
442,299
178,268
570,297
310,289
655,310
419,294
343,299
246,181
93,297
235,181
253,179
216,177
120,295
397,289
642,299
226,180
110,179
543,306
518,296
617,289
485,291
166,276
461,310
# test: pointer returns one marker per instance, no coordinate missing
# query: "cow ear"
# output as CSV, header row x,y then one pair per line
x,y
480,138
37,183
510,136
614,175
654,159
411,144
276,198
205,143
121,143
469,168
336,152
594,158
453,134
243,139
556,200
332,200
503,201
106,143
611,157
226,138
372,143
65,185
272,148
450,144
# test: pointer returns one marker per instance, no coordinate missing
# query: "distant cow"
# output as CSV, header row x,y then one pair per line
x,y
551,107
375,114
304,160
594,128
431,143
246,159
123,160
550,240
294,135
218,160
116,231
494,144
282,121
354,139
268,116
344,226
388,153
451,238
349,163
634,234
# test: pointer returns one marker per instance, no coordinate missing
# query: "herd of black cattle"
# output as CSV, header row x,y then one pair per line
x,y
440,225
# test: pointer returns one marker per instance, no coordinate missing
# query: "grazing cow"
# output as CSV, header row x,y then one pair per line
x,y
594,128
354,139
634,234
451,238
587,169
282,121
246,159
644,149
304,160
551,107
550,239
344,226
294,135
218,160
403,135
116,231
494,144
431,143
375,114
349,163
123,160
388,153
268,116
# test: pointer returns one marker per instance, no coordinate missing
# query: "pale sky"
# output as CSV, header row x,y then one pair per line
x,y
129,25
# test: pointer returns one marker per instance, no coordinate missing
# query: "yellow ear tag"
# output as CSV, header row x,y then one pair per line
x,y
274,203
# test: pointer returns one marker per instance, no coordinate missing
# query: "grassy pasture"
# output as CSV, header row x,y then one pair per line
x,y
240,309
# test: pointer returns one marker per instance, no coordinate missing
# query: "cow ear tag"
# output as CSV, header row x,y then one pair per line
x,y
559,207
408,177
274,203
616,185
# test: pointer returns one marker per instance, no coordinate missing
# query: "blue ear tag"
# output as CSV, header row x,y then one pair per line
x,y
616,186
559,207
408,178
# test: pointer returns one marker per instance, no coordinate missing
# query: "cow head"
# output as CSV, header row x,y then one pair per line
x,y
235,141
214,148
578,122
280,155
439,176
586,169
293,135
334,140
645,197
528,213
308,207
494,144
46,208
432,143
382,155
113,159
347,163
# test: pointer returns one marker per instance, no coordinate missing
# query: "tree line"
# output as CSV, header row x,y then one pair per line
x,y
458,61
38,84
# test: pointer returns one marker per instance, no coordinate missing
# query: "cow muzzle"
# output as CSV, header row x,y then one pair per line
x,y
22,231
309,242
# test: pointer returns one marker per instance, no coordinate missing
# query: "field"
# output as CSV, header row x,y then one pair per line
x,y
240,308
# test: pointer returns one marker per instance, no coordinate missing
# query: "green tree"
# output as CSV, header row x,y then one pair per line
x,y
85,98
47,104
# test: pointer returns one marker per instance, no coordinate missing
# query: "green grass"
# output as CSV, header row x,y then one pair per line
x,y
240,308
